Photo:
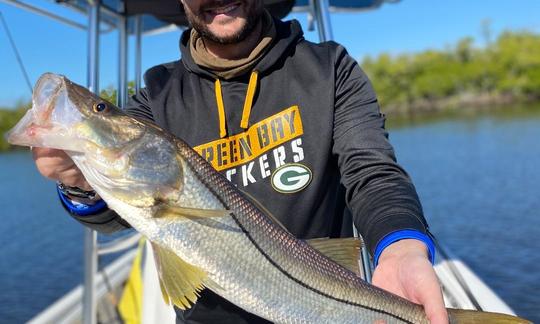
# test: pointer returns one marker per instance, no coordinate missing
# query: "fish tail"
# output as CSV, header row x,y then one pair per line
x,y
463,316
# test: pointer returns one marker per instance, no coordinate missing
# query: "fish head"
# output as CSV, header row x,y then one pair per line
x,y
69,117
119,155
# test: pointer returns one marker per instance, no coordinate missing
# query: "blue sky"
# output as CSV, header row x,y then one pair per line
x,y
408,26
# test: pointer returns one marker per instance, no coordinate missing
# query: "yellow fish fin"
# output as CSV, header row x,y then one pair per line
x,y
469,316
177,211
344,251
180,282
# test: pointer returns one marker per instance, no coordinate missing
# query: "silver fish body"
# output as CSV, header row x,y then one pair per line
x,y
253,262
256,264
161,186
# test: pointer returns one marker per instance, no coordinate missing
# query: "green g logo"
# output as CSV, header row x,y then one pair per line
x,y
290,178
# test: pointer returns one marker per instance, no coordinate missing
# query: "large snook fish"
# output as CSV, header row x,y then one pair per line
x,y
205,232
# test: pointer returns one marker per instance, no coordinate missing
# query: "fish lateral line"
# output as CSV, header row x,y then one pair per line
x,y
305,285
200,166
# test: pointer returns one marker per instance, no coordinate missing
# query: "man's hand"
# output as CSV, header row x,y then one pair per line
x,y
57,165
405,270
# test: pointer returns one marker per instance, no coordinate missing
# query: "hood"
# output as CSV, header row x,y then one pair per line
x,y
288,35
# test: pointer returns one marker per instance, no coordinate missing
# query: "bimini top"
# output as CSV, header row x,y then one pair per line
x,y
162,13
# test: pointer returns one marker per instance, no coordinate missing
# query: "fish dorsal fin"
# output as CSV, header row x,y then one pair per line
x,y
188,212
180,281
344,251
264,210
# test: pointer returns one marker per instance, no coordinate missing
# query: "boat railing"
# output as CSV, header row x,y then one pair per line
x,y
69,308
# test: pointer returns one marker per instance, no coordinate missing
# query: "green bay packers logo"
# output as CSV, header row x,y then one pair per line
x,y
291,177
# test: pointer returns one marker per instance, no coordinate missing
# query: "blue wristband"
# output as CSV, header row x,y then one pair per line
x,y
79,208
400,235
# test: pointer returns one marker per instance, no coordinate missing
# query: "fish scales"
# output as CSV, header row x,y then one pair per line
x,y
299,264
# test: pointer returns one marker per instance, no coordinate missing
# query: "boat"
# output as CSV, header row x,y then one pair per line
x,y
99,294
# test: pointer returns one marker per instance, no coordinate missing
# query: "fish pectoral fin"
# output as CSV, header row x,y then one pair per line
x,y
177,211
180,282
344,251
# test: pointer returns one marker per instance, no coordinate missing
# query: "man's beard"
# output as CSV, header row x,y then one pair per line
x,y
254,10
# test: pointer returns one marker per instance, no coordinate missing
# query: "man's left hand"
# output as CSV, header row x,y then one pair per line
x,y
405,270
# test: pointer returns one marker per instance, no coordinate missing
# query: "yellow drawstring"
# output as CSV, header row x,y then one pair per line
x,y
221,109
252,86
244,123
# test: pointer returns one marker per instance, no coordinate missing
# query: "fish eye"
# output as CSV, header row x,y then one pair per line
x,y
100,107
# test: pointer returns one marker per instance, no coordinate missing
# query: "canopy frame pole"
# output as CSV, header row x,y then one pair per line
x,y
89,315
122,93
138,52
321,13
322,16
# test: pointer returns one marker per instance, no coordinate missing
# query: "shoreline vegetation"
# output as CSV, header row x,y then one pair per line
x,y
460,79
8,119
506,71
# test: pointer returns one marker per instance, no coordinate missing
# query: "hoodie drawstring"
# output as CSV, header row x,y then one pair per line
x,y
252,86
248,102
221,109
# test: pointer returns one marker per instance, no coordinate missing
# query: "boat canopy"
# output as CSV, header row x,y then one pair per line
x,y
160,14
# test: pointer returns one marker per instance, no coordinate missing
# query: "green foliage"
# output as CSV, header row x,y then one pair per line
x,y
8,119
110,93
510,65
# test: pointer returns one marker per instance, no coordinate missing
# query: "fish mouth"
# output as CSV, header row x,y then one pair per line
x,y
49,121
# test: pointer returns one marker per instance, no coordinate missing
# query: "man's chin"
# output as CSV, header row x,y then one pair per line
x,y
232,34
227,29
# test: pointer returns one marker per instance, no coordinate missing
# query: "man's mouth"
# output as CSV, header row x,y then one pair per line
x,y
222,10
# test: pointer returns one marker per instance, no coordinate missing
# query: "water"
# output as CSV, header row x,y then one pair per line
x,y
41,247
479,183
477,178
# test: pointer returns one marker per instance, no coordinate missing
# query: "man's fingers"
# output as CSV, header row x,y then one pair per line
x,y
406,271
436,313
42,152
430,296
52,163
57,165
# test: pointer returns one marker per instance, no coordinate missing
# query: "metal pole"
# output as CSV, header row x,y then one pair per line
x,y
322,15
90,271
90,236
364,254
122,62
93,46
324,26
138,52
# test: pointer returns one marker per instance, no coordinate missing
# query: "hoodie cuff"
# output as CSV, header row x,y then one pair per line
x,y
81,209
401,235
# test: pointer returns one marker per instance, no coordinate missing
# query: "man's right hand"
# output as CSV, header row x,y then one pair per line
x,y
57,165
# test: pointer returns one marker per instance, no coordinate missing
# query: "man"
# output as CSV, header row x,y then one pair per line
x,y
296,125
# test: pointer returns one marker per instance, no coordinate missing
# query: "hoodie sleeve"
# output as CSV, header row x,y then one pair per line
x,y
379,192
